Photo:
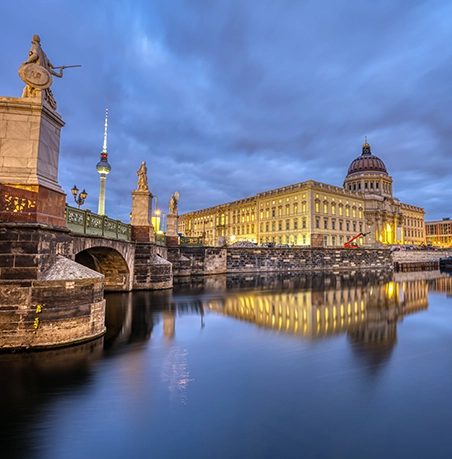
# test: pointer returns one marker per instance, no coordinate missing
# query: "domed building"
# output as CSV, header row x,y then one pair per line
x,y
313,213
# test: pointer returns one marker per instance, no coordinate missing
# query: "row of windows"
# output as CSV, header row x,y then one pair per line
x,y
441,228
369,186
303,240
413,233
339,225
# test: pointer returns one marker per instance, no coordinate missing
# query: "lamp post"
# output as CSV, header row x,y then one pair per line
x,y
79,198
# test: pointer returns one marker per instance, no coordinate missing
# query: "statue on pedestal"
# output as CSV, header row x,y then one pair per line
x,y
37,72
174,199
142,177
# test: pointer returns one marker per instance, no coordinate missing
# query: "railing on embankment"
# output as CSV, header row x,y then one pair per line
x,y
87,222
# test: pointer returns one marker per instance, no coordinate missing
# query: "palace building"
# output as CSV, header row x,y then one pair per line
x,y
312,213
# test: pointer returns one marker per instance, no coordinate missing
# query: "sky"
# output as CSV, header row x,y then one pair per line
x,y
224,99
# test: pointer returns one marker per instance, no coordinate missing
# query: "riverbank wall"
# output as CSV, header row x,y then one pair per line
x,y
212,260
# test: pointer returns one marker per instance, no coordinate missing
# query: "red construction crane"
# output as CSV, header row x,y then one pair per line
x,y
353,245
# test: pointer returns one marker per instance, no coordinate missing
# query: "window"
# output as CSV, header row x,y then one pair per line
x,y
325,208
354,227
340,226
266,227
280,225
287,209
354,212
325,240
347,211
347,226
287,224
333,209
325,223
266,213
333,225
295,223
279,211
317,207
273,226
303,206
303,224
341,210
317,222
333,240
261,227
273,212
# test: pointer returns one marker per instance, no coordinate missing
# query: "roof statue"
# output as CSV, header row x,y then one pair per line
x,y
36,72
142,177
174,199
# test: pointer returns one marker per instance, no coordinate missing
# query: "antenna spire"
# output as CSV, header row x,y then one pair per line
x,y
104,149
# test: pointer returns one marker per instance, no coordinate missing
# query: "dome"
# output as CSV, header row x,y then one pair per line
x,y
103,167
367,162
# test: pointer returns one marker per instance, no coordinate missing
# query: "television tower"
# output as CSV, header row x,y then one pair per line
x,y
104,168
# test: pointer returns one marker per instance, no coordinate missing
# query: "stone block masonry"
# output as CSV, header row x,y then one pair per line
x,y
208,260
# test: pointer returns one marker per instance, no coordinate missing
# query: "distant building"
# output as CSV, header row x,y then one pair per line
x,y
315,213
438,233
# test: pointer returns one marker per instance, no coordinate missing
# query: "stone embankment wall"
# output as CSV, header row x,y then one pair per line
x,y
418,260
200,260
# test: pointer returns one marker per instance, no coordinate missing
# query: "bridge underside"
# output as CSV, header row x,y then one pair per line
x,y
110,263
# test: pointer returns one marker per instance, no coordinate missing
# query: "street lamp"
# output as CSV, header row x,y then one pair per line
x,y
79,198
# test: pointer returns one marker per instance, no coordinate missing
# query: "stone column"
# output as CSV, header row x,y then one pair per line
x,y
142,229
172,237
29,153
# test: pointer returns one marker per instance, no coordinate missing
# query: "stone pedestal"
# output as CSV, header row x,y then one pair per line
x,y
142,229
29,153
171,225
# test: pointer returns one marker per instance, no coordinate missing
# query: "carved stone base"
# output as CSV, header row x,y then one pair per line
x,y
31,204
29,142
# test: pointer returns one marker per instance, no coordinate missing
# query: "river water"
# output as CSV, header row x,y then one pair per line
x,y
355,365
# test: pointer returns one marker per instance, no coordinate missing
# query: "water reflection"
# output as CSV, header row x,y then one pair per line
x,y
31,381
364,307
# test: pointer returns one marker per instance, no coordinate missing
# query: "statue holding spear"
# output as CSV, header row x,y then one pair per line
x,y
36,72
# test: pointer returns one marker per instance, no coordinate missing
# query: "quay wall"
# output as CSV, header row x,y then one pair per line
x,y
210,260
418,260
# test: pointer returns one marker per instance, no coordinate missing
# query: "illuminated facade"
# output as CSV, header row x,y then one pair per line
x,y
315,213
438,233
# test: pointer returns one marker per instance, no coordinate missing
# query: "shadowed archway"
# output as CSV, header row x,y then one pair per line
x,y
108,262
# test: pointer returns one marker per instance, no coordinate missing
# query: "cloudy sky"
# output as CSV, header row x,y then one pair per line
x,y
227,98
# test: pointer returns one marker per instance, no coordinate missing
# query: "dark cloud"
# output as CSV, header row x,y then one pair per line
x,y
227,99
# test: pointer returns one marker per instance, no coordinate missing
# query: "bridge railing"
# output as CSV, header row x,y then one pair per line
x,y
191,241
87,222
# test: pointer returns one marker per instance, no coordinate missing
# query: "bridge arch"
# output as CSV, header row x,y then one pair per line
x,y
112,258
108,262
